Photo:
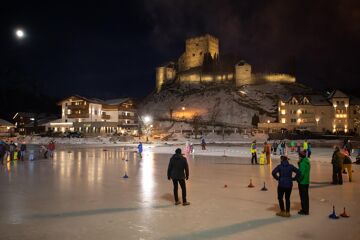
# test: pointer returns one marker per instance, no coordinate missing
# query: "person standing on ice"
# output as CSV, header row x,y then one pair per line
x,y
187,147
178,171
283,173
140,149
267,152
305,146
253,151
337,162
203,143
303,183
292,145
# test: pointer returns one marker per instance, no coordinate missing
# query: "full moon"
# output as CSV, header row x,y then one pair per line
x,y
19,33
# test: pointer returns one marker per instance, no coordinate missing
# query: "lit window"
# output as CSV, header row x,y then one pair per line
x,y
283,111
283,120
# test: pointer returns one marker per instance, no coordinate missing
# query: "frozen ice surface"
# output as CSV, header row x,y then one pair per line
x,y
81,194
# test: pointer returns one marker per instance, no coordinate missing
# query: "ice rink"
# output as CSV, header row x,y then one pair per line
x,y
81,194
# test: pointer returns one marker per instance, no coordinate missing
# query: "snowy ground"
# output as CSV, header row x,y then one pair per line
x,y
81,194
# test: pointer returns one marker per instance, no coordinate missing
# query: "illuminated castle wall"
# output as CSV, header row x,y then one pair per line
x,y
192,64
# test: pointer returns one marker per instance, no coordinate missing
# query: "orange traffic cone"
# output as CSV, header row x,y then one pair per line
x,y
344,214
251,185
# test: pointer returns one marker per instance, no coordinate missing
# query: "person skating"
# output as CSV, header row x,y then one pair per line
x,y
337,162
304,181
203,143
140,149
22,151
178,171
253,151
283,173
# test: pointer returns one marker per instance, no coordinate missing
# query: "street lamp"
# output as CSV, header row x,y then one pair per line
x,y
183,111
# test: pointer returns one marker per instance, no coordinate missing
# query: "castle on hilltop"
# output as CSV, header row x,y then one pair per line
x,y
200,63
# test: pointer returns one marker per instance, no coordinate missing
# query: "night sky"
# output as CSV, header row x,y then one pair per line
x,y
110,49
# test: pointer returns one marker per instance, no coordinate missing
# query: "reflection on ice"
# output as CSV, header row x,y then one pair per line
x,y
147,178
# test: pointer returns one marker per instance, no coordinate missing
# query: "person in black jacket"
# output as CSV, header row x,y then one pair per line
x,y
178,171
283,173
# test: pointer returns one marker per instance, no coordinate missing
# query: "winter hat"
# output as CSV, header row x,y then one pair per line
x,y
302,154
178,151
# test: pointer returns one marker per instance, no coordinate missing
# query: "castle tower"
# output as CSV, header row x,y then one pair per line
x,y
195,48
243,74
164,74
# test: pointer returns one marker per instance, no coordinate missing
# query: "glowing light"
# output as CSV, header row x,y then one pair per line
x,y
283,112
20,33
183,108
346,105
147,119
283,120
268,121
298,111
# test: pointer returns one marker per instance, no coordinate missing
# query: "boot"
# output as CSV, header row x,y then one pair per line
x,y
287,214
177,202
186,203
280,214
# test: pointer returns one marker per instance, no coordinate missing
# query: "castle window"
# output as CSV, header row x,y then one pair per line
x,y
193,54
197,44
200,53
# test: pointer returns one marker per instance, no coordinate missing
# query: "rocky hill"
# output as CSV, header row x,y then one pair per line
x,y
219,104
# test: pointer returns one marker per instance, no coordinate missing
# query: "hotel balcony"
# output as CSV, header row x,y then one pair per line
x,y
78,115
105,117
128,117
78,107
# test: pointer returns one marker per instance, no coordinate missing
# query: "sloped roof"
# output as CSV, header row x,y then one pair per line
x,y
314,99
115,101
4,123
25,114
338,94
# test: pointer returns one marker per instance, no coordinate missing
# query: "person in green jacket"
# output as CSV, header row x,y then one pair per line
x,y
303,183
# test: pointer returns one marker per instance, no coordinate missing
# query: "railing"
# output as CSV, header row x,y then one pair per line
x,y
128,117
105,116
78,115
77,107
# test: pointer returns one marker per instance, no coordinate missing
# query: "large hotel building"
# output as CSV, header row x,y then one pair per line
x,y
96,116
334,113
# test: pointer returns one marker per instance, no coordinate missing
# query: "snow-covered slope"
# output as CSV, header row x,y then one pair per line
x,y
219,103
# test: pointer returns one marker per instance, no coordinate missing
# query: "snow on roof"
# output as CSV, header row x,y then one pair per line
x,y
4,123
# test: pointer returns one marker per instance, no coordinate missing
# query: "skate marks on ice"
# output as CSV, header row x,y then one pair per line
x,y
92,212
236,228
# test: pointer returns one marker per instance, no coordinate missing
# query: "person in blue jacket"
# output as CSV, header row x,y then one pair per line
x,y
140,149
283,173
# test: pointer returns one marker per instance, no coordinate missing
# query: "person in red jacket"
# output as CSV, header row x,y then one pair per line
x,y
51,148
